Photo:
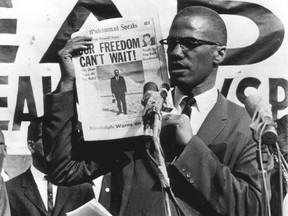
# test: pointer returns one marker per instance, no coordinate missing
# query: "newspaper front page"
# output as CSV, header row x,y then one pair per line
x,y
110,75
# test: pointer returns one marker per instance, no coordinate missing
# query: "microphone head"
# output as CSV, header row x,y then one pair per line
x,y
269,136
165,86
150,86
164,89
260,112
251,103
254,103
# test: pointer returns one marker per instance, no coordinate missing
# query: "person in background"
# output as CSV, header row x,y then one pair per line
x,y
29,192
282,131
4,202
210,153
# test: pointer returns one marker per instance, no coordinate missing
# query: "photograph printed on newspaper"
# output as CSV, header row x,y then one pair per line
x,y
110,75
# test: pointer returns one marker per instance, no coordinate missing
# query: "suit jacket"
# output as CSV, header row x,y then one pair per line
x,y
118,87
25,198
4,203
216,173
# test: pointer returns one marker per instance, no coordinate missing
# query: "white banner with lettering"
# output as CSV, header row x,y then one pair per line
x,y
32,31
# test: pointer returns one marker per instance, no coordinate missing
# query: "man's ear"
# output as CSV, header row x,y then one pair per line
x,y
219,54
30,145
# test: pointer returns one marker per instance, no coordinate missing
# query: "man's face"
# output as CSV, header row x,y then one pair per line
x,y
35,144
38,148
116,72
191,69
147,39
2,155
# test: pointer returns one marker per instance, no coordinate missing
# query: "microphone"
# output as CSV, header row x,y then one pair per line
x,y
153,102
151,95
261,115
150,86
164,89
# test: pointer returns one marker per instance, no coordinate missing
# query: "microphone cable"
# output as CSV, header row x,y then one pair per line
x,y
262,170
168,189
280,178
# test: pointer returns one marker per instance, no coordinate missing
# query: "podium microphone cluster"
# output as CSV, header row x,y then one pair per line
x,y
262,120
154,103
151,86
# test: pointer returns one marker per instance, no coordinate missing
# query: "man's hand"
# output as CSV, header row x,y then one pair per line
x,y
179,126
71,49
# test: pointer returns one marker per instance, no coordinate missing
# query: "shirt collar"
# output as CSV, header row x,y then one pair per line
x,y
204,101
36,173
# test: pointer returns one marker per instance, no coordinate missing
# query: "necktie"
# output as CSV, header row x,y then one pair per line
x,y
49,195
187,103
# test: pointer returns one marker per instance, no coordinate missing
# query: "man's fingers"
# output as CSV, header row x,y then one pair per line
x,y
82,38
74,45
180,124
75,48
176,120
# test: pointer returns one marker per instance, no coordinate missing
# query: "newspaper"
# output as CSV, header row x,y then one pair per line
x,y
129,47
91,208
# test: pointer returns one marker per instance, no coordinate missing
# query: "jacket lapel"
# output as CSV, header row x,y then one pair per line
x,y
215,121
32,192
61,198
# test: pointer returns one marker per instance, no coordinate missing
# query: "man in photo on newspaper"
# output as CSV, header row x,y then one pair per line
x,y
119,89
148,40
212,158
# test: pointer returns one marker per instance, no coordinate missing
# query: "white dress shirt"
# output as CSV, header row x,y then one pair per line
x,y
41,183
204,103
97,186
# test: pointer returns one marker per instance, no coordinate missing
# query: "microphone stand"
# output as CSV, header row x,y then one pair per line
x,y
283,173
258,127
154,132
154,102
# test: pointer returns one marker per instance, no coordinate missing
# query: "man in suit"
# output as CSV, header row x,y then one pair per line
x,y
212,158
282,131
27,192
4,202
118,89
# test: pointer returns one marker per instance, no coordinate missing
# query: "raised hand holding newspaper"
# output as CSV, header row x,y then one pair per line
x,y
110,75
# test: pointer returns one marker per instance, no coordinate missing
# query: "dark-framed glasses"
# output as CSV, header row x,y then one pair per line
x,y
186,43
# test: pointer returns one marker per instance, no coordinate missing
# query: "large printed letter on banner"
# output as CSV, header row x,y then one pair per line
x,y
100,9
271,29
7,26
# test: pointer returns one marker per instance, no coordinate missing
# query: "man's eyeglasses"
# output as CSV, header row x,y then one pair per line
x,y
186,43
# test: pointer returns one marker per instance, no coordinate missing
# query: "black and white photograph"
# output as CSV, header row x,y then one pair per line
x,y
121,88
143,108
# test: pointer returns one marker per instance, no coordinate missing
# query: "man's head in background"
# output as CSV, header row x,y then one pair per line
x,y
282,131
35,144
3,150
